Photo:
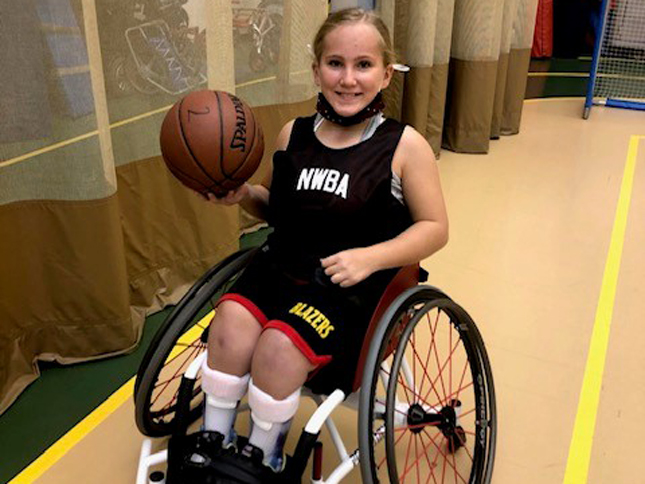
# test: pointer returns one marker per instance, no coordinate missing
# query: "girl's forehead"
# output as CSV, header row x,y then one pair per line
x,y
355,35
354,29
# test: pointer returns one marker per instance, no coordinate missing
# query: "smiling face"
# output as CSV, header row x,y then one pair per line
x,y
351,71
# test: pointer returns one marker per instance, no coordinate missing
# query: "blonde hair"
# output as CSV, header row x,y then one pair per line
x,y
349,16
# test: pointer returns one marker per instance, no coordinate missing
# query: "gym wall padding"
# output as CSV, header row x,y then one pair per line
x,y
543,37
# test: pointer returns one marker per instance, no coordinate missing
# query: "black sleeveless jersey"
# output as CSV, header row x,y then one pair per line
x,y
324,200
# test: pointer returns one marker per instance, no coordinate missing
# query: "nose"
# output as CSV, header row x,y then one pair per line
x,y
348,78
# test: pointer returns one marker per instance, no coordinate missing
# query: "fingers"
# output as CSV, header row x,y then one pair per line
x,y
231,198
328,262
338,270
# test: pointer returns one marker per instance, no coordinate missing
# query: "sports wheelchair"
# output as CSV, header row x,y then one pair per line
x,y
423,389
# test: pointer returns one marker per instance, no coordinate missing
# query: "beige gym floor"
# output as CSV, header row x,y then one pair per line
x,y
547,254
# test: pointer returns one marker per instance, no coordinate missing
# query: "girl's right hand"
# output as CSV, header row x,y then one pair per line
x,y
232,197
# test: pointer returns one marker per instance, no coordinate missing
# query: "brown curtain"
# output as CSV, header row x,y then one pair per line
x,y
469,63
94,232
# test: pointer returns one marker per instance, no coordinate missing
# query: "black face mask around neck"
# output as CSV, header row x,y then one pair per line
x,y
327,111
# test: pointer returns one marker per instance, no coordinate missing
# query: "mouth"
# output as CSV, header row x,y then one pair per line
x,y
348,96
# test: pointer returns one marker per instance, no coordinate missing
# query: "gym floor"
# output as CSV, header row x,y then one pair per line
x,y
545,254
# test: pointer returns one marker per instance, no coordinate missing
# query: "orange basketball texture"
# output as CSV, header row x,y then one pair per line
x,y
211,141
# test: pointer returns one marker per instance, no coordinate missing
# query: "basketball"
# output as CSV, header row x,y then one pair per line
x,y
211,141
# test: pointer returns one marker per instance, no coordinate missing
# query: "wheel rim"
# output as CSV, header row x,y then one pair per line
x,y
184,338
434,420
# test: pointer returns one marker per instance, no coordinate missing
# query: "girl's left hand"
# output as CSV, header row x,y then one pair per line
x,y
348,267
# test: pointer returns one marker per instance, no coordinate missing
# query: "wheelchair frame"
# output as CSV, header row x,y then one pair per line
x,y
396,328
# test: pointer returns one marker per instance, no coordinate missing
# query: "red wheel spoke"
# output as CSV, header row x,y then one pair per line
x,y
400,412
450,363
454,466
433,330
468,412
431,465
440,376
455,394
405,386
414,362
418,426
433,386
407,457
417,398
441,368
195,349
395,444
183,364
416,452
170,403
470,456
194,344
436,355
444,455
163,383
463,376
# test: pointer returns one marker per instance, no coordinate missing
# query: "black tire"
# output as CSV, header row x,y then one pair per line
x,y
445,432
176,344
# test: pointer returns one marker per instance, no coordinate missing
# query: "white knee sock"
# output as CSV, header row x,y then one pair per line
x,y
271,421
222,394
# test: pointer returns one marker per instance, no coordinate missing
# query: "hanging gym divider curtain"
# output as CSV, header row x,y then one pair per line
x,y
94,232
469,63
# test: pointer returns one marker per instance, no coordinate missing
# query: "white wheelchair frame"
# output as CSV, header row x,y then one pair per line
x,y
322,416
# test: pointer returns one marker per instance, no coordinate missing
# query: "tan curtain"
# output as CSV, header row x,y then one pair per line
x,y
94,233
469,63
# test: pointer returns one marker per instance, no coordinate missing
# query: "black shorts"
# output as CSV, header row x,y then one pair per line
x,y
325,322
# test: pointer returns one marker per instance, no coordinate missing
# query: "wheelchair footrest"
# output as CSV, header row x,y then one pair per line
x,y
200,457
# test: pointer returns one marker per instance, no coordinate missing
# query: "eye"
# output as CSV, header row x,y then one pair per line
x,y
364,64
334,63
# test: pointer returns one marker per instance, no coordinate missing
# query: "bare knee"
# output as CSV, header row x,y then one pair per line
x,y
232,338
279,367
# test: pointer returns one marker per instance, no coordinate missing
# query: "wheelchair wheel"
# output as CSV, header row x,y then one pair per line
x,y
427,406
178,341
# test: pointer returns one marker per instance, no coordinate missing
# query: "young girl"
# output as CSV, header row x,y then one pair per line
x,y
352,197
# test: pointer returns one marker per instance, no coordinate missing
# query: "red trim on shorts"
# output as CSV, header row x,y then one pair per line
x,y
301,344
249,305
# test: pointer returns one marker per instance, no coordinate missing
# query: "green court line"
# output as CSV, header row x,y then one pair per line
x,y
584,428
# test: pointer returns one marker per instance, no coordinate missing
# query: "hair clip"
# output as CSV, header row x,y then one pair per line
x,y
401,67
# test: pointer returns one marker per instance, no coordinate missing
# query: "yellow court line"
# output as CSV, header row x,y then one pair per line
x,y
553,99
583,432
46,149
558,74
63,445
140,116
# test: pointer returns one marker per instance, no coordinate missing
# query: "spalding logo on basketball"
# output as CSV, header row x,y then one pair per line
x,y
211,141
